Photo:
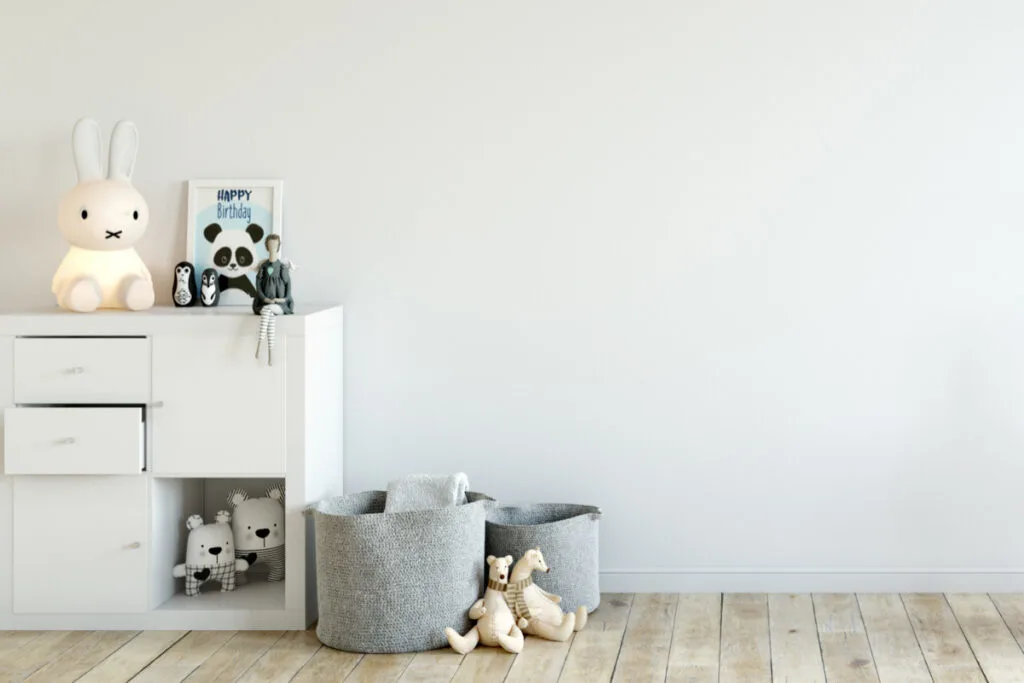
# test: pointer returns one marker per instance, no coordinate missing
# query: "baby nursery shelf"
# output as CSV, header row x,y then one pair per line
x,y
123,425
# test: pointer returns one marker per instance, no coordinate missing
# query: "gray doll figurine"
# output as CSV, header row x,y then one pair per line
x,y
273,294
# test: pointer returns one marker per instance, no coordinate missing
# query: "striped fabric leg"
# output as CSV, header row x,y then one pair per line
x,y
268,328
266,318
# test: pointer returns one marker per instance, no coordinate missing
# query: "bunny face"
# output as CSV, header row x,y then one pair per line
x,y
104,213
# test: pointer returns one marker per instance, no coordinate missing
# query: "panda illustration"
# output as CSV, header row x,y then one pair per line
x,y
233,254
184,291
209,288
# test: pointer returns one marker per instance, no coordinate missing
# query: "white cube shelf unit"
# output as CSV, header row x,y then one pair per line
x,y
117,426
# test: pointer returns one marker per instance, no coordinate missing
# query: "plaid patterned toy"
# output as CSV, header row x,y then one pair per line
x,y
209,555
196,576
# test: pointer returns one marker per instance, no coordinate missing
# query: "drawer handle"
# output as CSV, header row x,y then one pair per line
x,y
77,370
134,546
67,441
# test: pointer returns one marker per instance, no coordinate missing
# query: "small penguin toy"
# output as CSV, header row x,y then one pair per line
x,y
184,292
209,289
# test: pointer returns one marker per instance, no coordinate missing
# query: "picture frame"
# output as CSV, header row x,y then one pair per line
x,y
228,220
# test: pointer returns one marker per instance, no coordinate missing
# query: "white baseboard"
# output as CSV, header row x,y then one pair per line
x,y
813,581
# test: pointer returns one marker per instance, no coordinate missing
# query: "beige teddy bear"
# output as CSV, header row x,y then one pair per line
x,y
538,607
495,625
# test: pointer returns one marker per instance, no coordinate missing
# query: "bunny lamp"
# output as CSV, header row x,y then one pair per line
x,y
102,217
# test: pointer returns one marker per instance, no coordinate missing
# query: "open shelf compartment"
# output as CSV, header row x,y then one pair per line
x,y
175,499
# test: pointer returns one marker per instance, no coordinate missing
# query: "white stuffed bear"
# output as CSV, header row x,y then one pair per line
x,y
495,624
538,607
258,524
102,217
210,555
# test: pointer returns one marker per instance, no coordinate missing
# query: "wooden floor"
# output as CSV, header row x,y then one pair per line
x,y
839,638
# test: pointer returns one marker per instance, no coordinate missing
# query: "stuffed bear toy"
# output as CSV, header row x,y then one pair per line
x,y
258,525
209,555
540,608
495,624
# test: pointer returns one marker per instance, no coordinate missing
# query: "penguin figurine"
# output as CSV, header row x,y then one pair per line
x,y
209,290
184,292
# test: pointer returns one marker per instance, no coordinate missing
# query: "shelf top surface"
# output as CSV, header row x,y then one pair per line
x,y
56,321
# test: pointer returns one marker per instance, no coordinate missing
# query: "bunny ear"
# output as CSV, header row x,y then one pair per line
x,y
124,145
85,141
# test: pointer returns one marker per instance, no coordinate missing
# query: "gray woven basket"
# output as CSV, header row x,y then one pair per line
x,y
566,535
392,583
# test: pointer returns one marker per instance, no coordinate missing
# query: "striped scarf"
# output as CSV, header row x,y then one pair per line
x,y
516,599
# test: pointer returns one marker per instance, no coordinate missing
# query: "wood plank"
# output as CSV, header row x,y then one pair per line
x,y
435,666
484,665
37,652
993,645
89,652
133,657
844,643
595,649
540,662
796,654
14,640
235,657
184,657
1011,609
283,660
612,615
379,669
696,639
945,649
746,650
592,656
898,657
328,665
648,639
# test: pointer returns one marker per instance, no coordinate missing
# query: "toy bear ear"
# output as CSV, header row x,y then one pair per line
x,y
211,231
275,493
508,559
194,522
491,559
223,517
124,145
85,141
255,232
237,497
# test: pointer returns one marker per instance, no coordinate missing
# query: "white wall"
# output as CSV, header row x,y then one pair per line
x,y
746,274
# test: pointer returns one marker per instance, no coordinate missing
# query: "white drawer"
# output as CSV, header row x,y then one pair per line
x,y
90,370
73,441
